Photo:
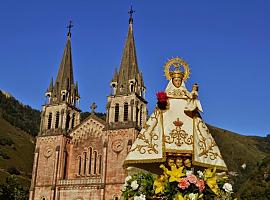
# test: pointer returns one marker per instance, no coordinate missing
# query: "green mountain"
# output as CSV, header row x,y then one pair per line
x,y
247,157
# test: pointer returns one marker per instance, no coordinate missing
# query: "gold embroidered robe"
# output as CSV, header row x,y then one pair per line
x,y
173,131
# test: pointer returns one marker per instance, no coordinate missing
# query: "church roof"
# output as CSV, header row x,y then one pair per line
x,y
64,88
129,66
65,78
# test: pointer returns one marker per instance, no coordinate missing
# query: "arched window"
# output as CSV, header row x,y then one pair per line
x,y
57,119
64,97
95,162
116,197
116,113
100,164
90,160
65,164
113,89
131,87
79,165
50,121
73,120
141,117
84,164
67,121
137,115
125,111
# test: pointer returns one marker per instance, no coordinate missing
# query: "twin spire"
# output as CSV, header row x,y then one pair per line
x,y
64,89
128,79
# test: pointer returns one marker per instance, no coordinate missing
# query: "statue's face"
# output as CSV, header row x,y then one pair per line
x,y
170,162
177,82
187,163
179,162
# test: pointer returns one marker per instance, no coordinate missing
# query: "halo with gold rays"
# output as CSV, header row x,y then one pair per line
x,y
177,63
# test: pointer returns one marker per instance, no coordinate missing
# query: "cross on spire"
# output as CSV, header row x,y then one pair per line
x,y
130,12
69,28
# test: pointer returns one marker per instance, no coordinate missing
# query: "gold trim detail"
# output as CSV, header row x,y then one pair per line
x,y
177,63
207,149
178,136
150,146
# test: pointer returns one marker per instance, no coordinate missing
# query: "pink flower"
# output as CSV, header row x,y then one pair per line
x,y
192,178
183,184
201,185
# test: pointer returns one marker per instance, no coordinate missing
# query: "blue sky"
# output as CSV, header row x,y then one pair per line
x,y
226,44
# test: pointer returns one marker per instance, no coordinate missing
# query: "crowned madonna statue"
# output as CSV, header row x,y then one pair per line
x,y
175,131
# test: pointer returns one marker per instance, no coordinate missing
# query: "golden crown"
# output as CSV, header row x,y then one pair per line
x,y
177,63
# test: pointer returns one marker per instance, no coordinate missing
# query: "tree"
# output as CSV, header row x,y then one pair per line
x,y
12,190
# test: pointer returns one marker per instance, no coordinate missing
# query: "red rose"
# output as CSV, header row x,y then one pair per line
x,y
162,97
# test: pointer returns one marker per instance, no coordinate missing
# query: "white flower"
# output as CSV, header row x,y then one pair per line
x,y
141,197
244,166
200,173
189,172
128,178
124,188
227,187
192,196
134,185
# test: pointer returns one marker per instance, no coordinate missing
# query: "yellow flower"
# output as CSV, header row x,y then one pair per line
x,y
211,180
212,183
208,173
175,174
179,196
159,184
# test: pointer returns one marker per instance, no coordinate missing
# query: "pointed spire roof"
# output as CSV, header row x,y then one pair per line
x,y
50,88
65,78
129,66
115,76
64,89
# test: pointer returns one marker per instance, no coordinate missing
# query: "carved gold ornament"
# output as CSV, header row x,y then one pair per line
x,y
177,63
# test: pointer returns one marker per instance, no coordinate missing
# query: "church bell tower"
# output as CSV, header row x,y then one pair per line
x,y
60,114
126,114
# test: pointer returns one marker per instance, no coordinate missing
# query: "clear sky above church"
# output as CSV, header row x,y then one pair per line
x,y
226,44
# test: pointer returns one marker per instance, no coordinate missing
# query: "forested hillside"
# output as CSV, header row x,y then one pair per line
x,y
19,115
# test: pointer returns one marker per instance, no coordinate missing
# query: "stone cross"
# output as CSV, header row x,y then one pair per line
x,y
93,107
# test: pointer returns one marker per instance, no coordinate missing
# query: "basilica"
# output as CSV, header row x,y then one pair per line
x,y
83,160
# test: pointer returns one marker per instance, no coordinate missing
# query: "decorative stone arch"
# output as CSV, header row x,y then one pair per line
x,y
43,197
116,197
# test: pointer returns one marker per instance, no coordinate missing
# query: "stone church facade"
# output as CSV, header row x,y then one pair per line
x,y
83,160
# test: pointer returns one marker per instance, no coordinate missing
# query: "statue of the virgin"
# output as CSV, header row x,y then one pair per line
x,y
175,130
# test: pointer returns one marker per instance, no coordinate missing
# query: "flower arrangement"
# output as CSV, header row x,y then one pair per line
x,y
178,183
162,100
139,186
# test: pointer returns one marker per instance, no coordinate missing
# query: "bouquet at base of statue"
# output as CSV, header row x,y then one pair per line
x,y
178,183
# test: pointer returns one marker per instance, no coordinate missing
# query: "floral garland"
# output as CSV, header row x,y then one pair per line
x,y
178,183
